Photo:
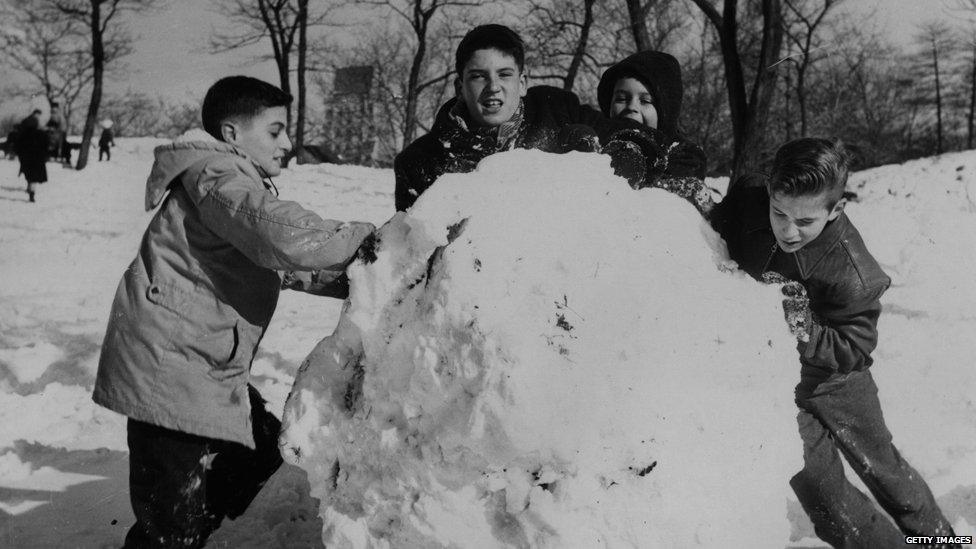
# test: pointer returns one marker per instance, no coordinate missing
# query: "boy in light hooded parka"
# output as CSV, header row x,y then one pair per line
x,y
193,306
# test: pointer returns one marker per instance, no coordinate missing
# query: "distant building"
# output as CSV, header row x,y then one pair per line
x,y
350,116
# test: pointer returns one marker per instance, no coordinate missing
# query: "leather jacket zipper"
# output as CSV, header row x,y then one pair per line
x,y
769,259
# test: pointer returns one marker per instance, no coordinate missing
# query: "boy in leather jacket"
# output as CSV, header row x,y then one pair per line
x,y
793,231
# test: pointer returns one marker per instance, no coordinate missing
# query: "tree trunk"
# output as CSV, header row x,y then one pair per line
x,y
580,51
98,66
972,101
410,111
938,99
749,115
302,48
638,25
787,115
750,152
283,77
801,98
281,46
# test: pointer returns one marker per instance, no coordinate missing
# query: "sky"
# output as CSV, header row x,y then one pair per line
x,y
172,57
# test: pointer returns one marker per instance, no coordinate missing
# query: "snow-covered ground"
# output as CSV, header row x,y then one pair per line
x,y
63,460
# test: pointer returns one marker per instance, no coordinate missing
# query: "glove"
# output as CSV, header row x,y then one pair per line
x,y
640,156
627,161
296,280
691,189
578,137
324,282
685,159
796,305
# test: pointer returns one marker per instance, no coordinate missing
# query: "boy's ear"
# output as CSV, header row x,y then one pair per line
x,y
228,132
837,209
523,83
457,85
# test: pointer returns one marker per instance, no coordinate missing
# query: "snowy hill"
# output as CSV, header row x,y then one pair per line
x,y
63,462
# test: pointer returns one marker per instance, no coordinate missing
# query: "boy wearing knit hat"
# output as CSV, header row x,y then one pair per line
x,y
646,87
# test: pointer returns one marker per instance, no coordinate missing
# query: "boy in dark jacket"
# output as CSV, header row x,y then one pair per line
x,y
793,231
193,306
495,111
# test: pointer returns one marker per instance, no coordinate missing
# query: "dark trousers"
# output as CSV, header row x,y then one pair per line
x,y
182,486
842,415
106,151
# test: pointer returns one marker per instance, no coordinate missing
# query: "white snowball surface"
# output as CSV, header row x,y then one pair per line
x,y
577,368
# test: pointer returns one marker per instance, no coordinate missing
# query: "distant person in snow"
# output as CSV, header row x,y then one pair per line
x,y
646,87
193,306
58,135
494,110
790,229
105,143
31,146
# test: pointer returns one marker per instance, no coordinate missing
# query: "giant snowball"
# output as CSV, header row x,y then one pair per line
x,y
572,366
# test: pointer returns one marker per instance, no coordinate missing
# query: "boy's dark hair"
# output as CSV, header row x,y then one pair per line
x,y
238,97
489,37
810,166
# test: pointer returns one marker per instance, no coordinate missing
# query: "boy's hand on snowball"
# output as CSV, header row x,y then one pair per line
x,y
796,305
578,137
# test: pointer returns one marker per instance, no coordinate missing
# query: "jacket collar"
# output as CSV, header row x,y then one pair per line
x,y
452,122
811,255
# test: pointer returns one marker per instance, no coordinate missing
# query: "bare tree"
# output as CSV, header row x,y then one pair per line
x,y
138,114
559,32
97,17
705,118
420,16
302,18
862,102
667,22
749,111
801,30
637,11
970,41
285,24
254,21
53,53
571,42
935,38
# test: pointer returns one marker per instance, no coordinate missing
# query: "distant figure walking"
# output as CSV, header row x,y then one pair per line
x,y
105,142
32,148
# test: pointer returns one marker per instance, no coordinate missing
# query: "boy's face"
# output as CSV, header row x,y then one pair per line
x,y
262,137
491,86
632,100
798,220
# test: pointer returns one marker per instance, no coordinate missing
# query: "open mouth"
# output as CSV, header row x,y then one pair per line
x,y
491,106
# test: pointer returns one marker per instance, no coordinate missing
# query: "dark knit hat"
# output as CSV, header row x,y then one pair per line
x,y
660,73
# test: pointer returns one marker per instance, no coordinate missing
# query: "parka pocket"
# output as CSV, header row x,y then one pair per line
x,y
236,362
